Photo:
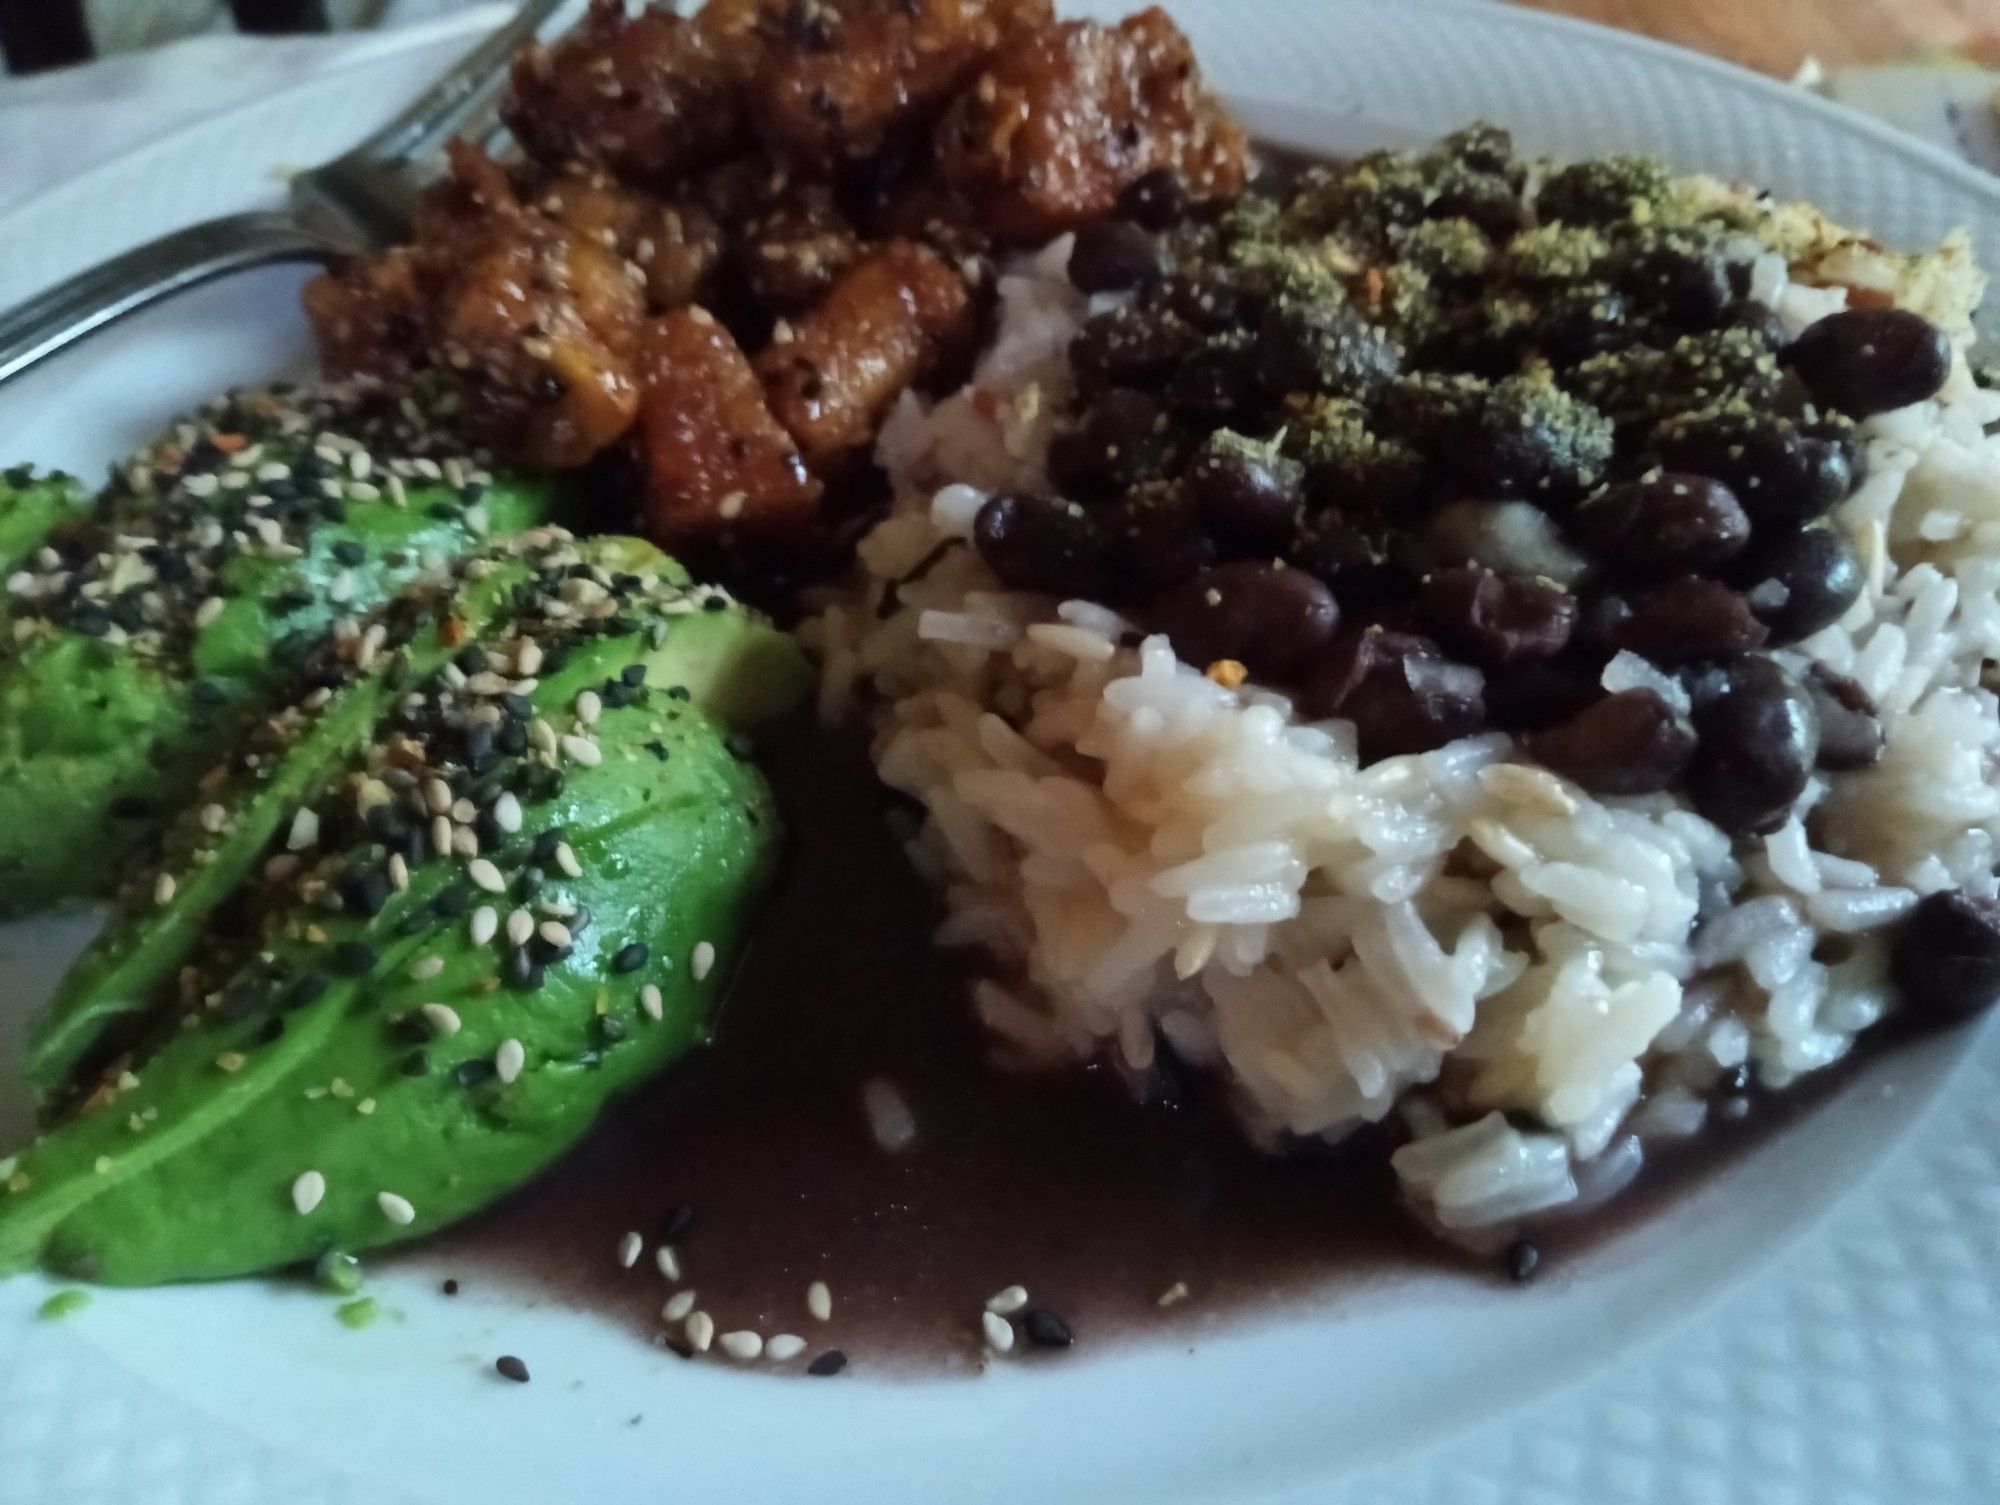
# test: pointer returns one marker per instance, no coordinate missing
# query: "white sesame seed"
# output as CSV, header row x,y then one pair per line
x,y
566,860
678,1306
589,706
784,1347
669,1263
700,1331
437,795
442,1017
556,934
651,1001
889,1117
520,928
703,959
208,611
485,875
742,1344
399,871
819,1301
163,889
464,841
1006,1303
541,735
424,968
485,924
630,1247
464,812
308,1192
441,834
528,657
304,831
509,1059
582,750
507,812
999,1332
396,1209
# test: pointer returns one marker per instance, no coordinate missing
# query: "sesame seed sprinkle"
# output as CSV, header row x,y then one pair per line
x,y
485,924
520,928
700,1331
509,1060
582,750
507,812
652,1002
589,706
308,1191
630,1247
396,1209
442,1018
485,875
784,1347
998,1332
424,968
819,1301
163,889
669,1263
678,1306
702,961
566,860
743,1344
555,933
1006,1303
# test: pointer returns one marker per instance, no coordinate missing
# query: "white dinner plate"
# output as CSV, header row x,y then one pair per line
x,y
1819,1323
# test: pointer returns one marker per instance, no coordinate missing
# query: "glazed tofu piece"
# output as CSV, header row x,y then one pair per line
x,y
542,328
840,78
1064,120
676,245
646,97
371,316
787,235
717,463
895,318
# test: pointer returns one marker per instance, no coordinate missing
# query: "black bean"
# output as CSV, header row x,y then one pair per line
x,y
1668,525
1247,502
1494,620
1271,618
1532,697
1114,256
1759,742
1946,956
1680,621
1402,695
1778,472
1578,320
1218,385
1121,440
1868,360
1801,581
510,1368
1212,303
1632,742
1159,200
1041,544
1045,1329
1687,286
1850,726
1131,346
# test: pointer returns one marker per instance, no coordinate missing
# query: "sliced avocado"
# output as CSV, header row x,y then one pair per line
x,y
31,506
305,1018
169,611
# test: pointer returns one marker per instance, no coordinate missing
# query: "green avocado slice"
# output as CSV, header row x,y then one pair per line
x,y
408,1071
31,506
185,597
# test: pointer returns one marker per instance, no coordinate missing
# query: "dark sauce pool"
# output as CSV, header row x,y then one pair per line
x,y
1100,1205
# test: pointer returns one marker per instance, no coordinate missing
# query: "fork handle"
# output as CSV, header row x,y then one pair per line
x,y
145,274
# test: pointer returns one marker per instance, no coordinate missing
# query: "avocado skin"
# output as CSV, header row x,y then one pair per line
x,y
675,837
101,742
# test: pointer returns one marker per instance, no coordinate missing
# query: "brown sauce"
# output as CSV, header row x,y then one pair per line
x,y
1098,1204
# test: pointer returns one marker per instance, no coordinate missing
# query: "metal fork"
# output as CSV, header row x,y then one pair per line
x,y
360,201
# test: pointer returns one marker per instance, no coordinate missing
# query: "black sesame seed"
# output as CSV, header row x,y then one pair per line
x,y
510,1368
1522,1260
308,987
1045,1329
364,890
610,1030
452,900
474,1072
633,674
416,1063
544,849
450,1288
830,1362
352,958
630,958
273,1029
347,551
520,970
